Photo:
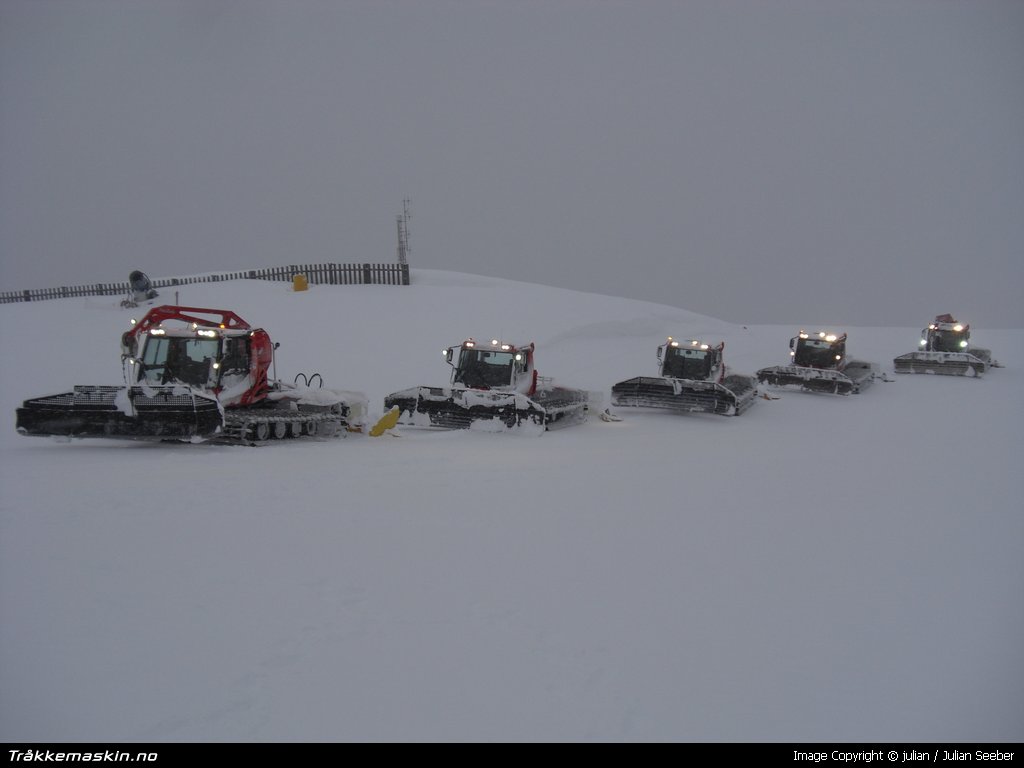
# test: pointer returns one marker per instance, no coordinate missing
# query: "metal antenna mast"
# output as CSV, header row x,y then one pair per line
x,y
403,233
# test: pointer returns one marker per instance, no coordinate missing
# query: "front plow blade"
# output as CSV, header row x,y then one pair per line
x,y
489,410
940,363
449,408
808,379
126,413
730,398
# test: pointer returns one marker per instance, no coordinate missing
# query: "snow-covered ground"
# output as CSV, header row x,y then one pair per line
x,y
819,568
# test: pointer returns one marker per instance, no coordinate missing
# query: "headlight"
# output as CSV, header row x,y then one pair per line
x,y
963,344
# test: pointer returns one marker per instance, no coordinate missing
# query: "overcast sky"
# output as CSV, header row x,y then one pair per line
x,y
790,161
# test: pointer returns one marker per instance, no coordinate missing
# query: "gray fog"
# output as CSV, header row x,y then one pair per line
x,y
795,161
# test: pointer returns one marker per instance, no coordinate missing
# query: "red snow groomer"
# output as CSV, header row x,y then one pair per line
x,y
945,348
494,387
819,364
192,374
693,378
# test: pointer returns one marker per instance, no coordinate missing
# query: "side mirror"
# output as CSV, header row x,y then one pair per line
x,y
449,355
792,343
129,345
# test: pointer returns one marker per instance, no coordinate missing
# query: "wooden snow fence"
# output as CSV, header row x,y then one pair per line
x,y
316,274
